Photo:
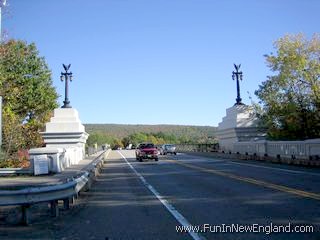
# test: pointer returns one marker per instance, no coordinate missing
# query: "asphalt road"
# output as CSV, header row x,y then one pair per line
x,y
150,200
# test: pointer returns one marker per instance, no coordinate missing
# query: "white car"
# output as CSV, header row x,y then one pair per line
x,y
168,148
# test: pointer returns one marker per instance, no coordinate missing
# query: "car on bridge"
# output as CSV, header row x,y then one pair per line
x,y
168,148
146,151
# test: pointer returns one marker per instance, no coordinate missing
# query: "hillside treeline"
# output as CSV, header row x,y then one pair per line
x,y
123,135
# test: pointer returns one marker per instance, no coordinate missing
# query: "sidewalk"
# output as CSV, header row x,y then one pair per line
x,y
14,182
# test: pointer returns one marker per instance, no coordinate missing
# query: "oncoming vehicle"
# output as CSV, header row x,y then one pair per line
x,y
146,151
168,148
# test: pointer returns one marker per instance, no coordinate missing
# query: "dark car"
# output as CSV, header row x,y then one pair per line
x,y
146,151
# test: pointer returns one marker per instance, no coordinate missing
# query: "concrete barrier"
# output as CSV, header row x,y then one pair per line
x,y
304,150
305,153
58,158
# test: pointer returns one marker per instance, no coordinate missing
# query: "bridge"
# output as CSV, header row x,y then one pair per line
x,y
196,194
186,196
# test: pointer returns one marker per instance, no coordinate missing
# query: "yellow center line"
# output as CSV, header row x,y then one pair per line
x,y
294,191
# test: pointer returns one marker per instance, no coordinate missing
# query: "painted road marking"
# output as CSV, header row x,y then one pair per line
x,y
178,216
278,169
294,191
254,165
257,166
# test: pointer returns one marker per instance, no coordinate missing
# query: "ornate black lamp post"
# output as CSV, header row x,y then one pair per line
x,y
238,75
66,76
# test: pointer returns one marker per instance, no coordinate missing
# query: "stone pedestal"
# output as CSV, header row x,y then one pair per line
x,y
65,130
65,140
240,124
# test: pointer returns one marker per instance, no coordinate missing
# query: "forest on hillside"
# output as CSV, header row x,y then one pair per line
x,y
122,135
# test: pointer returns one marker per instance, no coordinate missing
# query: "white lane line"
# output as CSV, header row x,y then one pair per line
x,y
178,216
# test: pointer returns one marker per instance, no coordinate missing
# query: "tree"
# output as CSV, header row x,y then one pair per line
x,y
28,95
99,138
116,144
125,141
290,99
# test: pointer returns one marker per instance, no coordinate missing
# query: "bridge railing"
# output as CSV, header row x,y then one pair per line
x,y
307,149
93,150
292,152
210,147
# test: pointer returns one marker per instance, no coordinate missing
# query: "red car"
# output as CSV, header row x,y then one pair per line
x,y
146,151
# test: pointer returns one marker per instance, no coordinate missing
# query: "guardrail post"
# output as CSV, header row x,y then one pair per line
x,y
66,203
25,214
54,208
72,200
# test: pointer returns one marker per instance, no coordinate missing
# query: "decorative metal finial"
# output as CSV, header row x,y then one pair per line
x,y
238,75
66,76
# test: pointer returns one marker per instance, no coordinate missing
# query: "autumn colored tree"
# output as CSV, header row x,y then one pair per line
x,y
290,99
28,95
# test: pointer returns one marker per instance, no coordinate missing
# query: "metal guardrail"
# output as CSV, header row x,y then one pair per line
x,y
5,171
31,195
81,182
50,193
93,150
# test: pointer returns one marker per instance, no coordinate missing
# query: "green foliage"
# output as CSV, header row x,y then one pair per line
x,y
28,95
137,138
162,133
118,135
99,139
116,144
291,98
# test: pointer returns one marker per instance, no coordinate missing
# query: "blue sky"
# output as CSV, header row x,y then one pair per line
x,y
157,61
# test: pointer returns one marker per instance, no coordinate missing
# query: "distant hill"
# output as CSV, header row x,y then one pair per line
x,y
121,130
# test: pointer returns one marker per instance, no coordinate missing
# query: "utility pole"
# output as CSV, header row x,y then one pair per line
x,y
2,4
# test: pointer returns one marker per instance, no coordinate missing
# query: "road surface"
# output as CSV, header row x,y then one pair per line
x,y
192,197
